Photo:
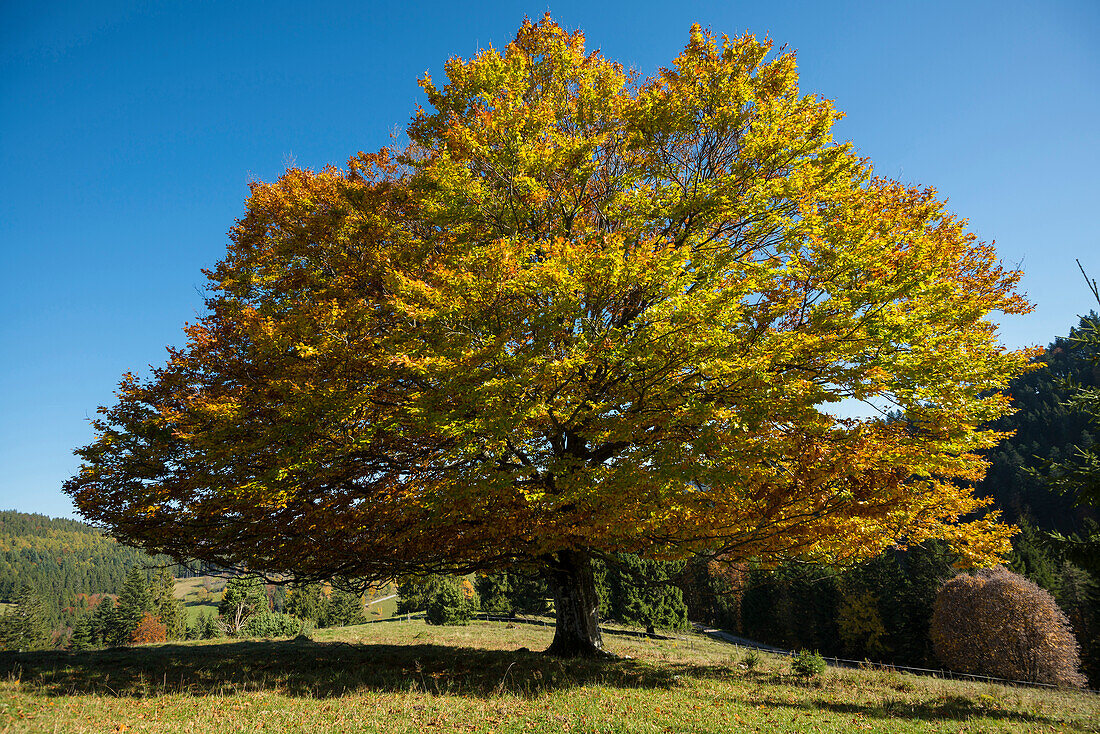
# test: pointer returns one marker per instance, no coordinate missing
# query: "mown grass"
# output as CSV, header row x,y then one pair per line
x,y
488,677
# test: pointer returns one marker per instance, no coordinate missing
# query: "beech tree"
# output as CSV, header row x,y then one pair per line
x,y
999,623
582,312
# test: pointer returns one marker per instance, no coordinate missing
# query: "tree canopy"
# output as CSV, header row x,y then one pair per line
x,y
581,312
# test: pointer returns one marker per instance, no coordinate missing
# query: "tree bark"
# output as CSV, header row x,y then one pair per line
x,y
576,606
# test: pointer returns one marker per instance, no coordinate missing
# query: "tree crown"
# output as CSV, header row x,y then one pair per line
x,y
581,310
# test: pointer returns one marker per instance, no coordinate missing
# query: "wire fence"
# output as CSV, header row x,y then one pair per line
x,y
732,639
887,667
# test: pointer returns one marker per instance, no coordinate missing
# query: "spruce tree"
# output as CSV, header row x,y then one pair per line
x,y
171,611
25,626
342,609
83,633
135,599
305,601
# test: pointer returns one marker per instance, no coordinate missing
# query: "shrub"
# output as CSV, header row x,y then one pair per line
x,y
273,624
807,664
449,605
149,629
998,623
751,659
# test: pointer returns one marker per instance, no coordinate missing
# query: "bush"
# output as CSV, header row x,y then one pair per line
x,y
206,627
998,623
449,605
149,629
807,664
751,659
273,624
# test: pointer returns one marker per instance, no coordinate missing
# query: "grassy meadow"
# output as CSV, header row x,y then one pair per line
x,y
488,677
199,594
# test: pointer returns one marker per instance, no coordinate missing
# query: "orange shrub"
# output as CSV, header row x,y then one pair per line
x,y
998,623
149,629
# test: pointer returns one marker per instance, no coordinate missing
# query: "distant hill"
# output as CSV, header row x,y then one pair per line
x,y
62,558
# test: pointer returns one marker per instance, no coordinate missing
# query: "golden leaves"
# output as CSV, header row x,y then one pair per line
x,y
580,309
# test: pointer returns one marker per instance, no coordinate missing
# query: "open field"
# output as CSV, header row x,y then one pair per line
x,y
411,677
199,594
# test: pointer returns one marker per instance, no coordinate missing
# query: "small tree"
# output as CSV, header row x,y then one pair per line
x,y
149,629
414,592
860,624
642,592
244,596
807,664
105,623
134,601
169,609
83,634
342,609
449,605
998,623
206,627
306,601
274,624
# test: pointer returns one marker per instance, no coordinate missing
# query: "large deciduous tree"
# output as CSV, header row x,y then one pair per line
x,y
582,312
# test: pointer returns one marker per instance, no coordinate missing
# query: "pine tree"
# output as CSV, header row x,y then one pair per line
x,y
244,597
25,626
169,609
135,599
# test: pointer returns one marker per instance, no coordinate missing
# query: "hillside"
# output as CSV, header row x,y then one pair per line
x,y
409,677
61,558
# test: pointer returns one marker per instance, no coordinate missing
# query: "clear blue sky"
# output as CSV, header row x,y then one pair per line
x,y
130,130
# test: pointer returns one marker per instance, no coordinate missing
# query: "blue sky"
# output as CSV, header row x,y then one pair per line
x,y
129,132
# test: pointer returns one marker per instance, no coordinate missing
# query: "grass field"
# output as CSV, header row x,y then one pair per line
x,y
199,594
410,677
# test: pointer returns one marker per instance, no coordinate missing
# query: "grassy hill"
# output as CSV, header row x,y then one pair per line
x,y
199,594
410,677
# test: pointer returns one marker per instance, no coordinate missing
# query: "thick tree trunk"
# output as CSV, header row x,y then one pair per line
x,y
576,606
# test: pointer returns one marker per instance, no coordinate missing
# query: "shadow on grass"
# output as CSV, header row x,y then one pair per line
x,y
952,708
304,667
313,669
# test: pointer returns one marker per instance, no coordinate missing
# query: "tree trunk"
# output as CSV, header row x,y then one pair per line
x,y
576,606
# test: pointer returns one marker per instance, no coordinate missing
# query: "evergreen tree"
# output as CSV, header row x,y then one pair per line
x,y
414,592
25,626
448,604
305,601
342,609
642,592
83,634
513,592
170,610
105,624
135,599
244,596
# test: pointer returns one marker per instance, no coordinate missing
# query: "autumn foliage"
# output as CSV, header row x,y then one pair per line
x,y
581,313
149,629
995,622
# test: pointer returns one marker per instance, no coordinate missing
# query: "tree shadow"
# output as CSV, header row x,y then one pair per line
x,y
951,708
307,668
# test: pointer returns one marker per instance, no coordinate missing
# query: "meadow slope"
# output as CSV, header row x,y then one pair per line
x,y
410,677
